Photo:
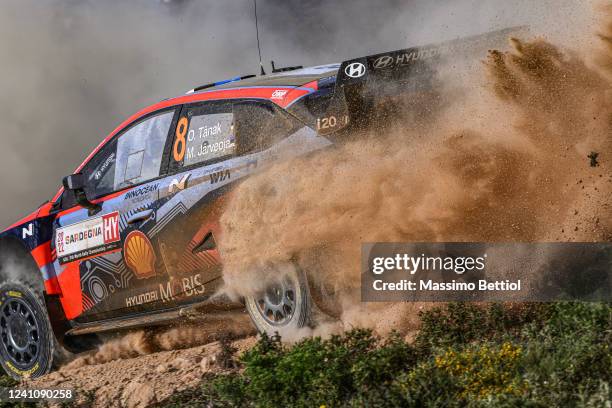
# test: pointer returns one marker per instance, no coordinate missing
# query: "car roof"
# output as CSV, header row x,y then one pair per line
x,y
296,77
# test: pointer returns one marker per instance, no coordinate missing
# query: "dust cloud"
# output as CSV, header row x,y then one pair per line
x,y
506,161
146,341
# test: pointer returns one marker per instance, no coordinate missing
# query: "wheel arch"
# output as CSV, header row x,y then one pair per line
x,y
17,263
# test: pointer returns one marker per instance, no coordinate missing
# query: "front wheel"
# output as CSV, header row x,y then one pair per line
x,y
284,306
26,338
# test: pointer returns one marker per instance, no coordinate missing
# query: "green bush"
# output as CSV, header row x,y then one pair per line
x,y
568,361
352,367
535,355
462,323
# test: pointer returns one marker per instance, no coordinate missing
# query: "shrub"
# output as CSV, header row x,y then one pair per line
x,y
567,359
533,355
314,371
462,323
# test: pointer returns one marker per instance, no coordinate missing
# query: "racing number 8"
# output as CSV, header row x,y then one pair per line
x,y
180,143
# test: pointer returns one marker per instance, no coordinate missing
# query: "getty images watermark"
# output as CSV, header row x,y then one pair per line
x,y
486,272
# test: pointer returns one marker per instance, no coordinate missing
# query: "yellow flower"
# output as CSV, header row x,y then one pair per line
x,y
484,371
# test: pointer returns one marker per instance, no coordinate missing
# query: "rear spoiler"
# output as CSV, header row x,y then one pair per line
x,y
405,61
361,81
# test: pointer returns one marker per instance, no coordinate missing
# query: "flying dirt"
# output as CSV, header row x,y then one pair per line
x,y
505,158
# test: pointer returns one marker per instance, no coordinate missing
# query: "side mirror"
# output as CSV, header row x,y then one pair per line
x,y
76,184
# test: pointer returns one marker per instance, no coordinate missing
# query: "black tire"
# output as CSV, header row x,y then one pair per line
x,y
27,342
283,307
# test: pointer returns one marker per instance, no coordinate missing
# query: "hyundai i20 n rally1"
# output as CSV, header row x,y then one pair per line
x,y
130,240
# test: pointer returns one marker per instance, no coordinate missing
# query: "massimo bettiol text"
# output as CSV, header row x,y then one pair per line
x,y
486,271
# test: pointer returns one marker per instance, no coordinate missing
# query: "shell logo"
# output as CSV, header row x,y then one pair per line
x,y
138,254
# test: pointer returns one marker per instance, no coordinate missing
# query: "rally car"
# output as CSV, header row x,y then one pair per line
x,y
130,240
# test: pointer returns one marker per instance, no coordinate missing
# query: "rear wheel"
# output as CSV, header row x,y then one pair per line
x,y
285,305
26,338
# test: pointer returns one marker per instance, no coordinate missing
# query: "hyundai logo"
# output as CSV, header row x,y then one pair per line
x,y
355,70
383,62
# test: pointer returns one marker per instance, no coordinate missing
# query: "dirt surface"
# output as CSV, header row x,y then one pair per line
x,y
123,374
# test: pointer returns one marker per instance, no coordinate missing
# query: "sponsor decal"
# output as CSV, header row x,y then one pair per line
x,y
27,232
218,176
143,191
279,94
405,58
14,293
21,372
147,297
139,255
179,184
93,236
174,288
355,70
187,286
109,160
383,62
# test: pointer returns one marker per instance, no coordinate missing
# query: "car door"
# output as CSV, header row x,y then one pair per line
x,y
193,193
106,259
220,144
